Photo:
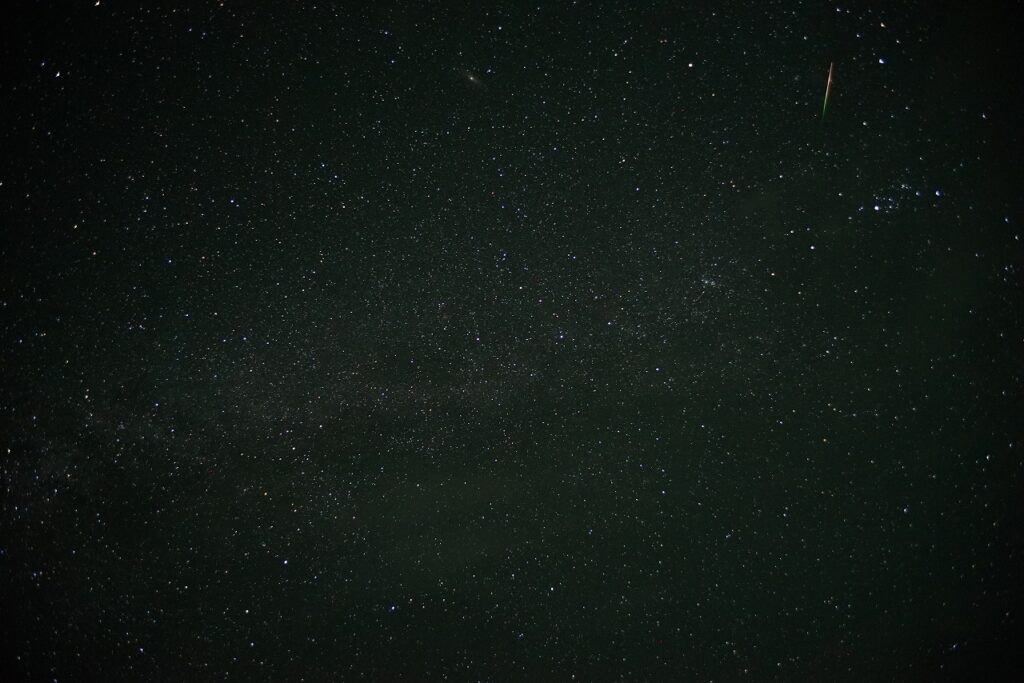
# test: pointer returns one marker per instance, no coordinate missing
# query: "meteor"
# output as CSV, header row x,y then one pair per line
x,y
828,89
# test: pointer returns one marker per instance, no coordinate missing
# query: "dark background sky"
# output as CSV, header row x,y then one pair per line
x,y
399,342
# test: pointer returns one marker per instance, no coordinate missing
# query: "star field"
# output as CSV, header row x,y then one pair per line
x,y
554,342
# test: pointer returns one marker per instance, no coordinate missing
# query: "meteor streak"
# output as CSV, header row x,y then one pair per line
x,y
828,89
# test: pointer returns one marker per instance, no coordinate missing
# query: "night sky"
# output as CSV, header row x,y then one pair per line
x,y
561,342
